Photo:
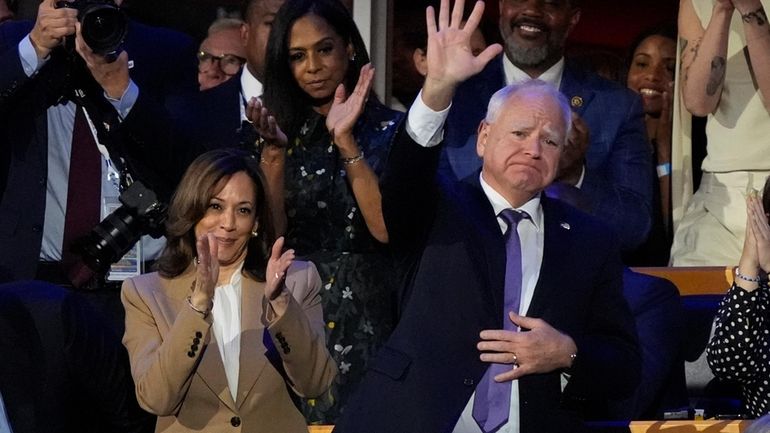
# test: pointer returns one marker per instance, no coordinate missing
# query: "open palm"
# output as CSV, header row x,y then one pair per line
x,y
344,112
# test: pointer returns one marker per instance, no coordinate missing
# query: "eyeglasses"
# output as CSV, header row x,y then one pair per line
x,y
230,64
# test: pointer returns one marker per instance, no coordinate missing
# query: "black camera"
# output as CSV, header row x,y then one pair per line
x,y
141,213
103,25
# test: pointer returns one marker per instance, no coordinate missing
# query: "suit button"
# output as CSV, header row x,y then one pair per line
x,y
235,421
191,354
198,334
194,347
468,382
196,340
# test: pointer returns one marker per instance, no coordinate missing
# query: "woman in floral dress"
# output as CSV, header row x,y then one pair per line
x,y
338,140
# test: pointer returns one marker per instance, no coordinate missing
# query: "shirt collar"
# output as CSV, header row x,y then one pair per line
x,y
514,75
499,204
250,86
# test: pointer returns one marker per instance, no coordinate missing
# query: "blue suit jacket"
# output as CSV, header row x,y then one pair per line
x,y
164,68
423,376
618,179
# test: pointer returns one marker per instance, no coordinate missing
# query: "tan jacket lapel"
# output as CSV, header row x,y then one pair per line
x,y
211,369
252,359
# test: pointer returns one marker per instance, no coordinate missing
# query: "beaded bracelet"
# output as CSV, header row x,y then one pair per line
x,y
353,160
739,275
203,313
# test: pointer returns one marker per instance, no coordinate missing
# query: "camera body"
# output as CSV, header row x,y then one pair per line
x,y
141,213
103,25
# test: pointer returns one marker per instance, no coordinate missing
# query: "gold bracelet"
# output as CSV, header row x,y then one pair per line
x,y
353,160
203,313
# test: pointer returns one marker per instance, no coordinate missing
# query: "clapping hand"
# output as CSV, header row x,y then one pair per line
x,y
450,59
275,274
265,124
758,231
345,111
206,272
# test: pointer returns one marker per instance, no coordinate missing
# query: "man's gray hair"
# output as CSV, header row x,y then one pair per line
x,y
224,23
537,87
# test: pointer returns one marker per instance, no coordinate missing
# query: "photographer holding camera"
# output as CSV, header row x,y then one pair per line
x,y
70,138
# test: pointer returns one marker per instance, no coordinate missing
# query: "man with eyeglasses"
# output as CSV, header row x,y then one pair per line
x,y
221,54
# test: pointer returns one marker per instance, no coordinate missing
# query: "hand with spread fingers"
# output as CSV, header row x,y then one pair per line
x,y
450,58
540,349
758,232
275,274
265,124
51,26
344,112
113,76
206,272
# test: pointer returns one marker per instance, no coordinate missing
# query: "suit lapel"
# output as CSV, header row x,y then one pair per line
x,y
211,369
572,86
252,360
481,215
557,231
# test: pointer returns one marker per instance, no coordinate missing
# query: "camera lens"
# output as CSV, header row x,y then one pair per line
x,y
111,239
103,27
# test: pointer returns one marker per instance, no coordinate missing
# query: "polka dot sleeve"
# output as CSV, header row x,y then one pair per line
x,y
739,349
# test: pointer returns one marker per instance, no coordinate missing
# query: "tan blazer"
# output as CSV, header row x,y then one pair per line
x,y
178,371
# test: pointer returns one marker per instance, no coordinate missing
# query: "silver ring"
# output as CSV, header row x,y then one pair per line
x,y
277,277
515,360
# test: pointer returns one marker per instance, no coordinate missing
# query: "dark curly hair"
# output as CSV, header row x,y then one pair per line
x,y
204,178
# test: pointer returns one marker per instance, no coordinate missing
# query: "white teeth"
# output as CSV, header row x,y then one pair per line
x,y
530,29
649,92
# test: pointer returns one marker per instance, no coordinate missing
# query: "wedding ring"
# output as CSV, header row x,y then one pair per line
x,y
277,277
515,360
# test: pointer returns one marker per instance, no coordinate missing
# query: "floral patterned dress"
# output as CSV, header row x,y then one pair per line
x,y
325,226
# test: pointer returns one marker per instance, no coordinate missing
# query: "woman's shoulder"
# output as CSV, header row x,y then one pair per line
x,y
153,282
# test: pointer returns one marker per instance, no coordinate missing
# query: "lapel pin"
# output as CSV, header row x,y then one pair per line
x,y
576,102
565,226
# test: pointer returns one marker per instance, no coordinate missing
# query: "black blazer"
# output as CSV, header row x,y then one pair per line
x,y
426,372
164,69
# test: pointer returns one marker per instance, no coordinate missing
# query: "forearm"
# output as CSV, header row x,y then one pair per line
x,y
365,186
757,31
273,165
307,361
704,58
735,351
162,368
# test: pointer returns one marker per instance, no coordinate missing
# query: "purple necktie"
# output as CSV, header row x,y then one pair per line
x,y
493,400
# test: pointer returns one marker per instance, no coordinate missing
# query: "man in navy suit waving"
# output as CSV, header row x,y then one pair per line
x,y
512,319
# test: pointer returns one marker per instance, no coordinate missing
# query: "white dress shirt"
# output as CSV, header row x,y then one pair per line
x,y
226,315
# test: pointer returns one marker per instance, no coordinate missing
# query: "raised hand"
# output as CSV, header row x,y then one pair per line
x,y
542,349
265,124
51,26
206,272
345,111
450,59
113,76
275,274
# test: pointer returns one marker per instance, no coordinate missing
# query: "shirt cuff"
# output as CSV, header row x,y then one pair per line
x,y
126,102
28,56
425,126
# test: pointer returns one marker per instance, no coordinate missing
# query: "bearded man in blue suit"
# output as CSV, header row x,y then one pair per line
x,y
607,163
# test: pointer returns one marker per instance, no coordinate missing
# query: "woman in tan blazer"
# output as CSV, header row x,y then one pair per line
x,y
228,326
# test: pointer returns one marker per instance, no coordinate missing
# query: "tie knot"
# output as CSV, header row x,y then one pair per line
x,y
513,216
